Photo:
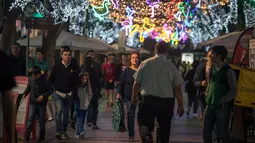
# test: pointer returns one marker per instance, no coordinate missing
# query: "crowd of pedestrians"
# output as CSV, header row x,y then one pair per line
x,y
152,85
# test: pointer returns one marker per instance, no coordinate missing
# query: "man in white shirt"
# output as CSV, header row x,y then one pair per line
x,y
159,82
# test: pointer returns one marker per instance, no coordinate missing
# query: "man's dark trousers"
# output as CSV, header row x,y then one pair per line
x,y
94,109
89,115
160,108
219,117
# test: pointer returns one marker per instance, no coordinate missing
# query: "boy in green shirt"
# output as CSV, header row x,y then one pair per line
x,y
39,61
221,91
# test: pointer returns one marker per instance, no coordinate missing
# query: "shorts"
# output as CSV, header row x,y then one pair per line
x,y
109,86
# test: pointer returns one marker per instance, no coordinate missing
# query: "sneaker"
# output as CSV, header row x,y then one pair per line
x,y
95,127
50,119
40,139
58,136
194,115
131,139
77,136
81,136
89,124
64,136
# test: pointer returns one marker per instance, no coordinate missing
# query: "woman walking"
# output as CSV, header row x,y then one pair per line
x,y
125,91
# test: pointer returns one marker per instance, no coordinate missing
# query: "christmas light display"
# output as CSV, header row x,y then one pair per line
x,y
63,11
105,29
172,21
249,14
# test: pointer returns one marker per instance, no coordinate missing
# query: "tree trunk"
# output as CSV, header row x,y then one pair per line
x,y
49,42
9,23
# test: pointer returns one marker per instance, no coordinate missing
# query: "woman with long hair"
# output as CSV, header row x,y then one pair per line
x,y
125,91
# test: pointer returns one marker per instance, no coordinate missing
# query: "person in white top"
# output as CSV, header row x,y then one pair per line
x,y
81,106
159,82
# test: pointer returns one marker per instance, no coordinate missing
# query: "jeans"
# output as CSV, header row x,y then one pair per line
x,y
220,117
80,120
50,109
33,111
131,118
62,106
152,107
89,114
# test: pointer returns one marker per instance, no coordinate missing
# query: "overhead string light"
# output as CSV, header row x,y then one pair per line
x,y
249,14
63,11
173,21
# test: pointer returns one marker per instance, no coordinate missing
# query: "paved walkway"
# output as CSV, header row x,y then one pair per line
x,y
184,130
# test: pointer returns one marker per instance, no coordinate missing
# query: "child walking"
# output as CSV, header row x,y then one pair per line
x,y
81,106
39,90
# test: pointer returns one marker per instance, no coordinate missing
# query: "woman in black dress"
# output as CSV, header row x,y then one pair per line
x,y
125,91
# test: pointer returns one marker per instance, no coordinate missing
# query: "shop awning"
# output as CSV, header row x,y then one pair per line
x,y
75,41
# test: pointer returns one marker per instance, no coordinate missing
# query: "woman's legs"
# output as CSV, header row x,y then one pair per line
x,y
131,108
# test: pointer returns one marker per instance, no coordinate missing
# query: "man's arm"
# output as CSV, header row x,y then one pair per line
x,y
136,89
28,89
101,73
52,75
178,94
49,90
177,81
232,82
138,77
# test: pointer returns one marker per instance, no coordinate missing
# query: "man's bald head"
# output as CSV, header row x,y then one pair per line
x,y
162,48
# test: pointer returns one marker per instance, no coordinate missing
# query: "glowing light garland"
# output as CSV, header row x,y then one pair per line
x,y
209,25
174,21
105,29
249,15
63,10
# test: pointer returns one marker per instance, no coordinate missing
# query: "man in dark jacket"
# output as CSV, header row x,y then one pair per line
x,y
65,79
39,91
76,65
17,62
95,85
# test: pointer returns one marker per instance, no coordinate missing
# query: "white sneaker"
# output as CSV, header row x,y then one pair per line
x,y
194,115
81,135
77,136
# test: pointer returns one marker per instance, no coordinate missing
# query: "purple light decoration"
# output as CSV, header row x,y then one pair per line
x,y
152,5
115,3
127,23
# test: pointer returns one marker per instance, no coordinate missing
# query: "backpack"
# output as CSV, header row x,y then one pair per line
x,y
226,68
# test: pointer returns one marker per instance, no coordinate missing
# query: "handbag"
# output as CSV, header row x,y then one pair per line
x,y
118,117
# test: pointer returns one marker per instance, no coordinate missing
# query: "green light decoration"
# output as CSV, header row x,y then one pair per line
x,y
101,11
37,15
